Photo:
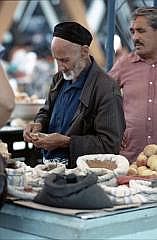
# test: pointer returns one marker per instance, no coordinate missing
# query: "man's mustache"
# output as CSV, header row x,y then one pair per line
x,y
137,42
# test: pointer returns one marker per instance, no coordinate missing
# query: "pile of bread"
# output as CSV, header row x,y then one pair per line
x,y
4,150
22,97
146,162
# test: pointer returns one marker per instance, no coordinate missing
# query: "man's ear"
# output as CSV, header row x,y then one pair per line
x,y
84,51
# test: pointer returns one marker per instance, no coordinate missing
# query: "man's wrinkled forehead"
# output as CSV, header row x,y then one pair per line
x,y
139,22
56,41
61,46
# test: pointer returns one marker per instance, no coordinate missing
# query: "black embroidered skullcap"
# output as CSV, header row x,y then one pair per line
x,y
73,32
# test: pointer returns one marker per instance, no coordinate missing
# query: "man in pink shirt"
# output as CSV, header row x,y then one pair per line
x,y
136,74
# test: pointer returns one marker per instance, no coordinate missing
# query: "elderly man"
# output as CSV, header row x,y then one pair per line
x,y
136,74
83,113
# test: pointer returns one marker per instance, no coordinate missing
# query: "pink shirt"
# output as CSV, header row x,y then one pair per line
x,y
138,81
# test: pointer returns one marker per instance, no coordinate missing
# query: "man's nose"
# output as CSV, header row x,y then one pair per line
x,y
61,66
135,36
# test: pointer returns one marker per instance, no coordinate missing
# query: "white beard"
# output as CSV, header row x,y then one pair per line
x,y
69,76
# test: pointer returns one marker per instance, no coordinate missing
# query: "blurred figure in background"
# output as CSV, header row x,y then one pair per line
x,y
136,74
31,66
42,71
7,98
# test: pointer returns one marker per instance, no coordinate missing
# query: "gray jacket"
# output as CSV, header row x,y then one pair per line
x,y
98,124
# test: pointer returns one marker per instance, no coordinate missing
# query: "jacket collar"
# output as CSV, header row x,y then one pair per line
x,y
89,83
58,80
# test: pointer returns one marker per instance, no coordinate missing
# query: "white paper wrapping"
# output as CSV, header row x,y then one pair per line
x,y
104,174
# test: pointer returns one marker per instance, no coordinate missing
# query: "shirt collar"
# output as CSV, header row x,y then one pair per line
x,y
136,58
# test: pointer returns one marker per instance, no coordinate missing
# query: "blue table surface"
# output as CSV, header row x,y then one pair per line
x,y
18,222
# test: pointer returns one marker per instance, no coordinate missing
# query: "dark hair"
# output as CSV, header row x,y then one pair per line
x,y
148,12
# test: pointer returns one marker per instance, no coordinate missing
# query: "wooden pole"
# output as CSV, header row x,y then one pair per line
x,y
7,9
76,11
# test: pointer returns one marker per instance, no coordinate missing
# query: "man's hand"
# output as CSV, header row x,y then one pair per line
x,y
29,129
51,141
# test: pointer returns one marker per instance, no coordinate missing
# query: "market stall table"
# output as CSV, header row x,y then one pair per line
x,y
23,221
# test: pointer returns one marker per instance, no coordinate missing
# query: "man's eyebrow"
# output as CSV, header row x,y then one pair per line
x,y
137,29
